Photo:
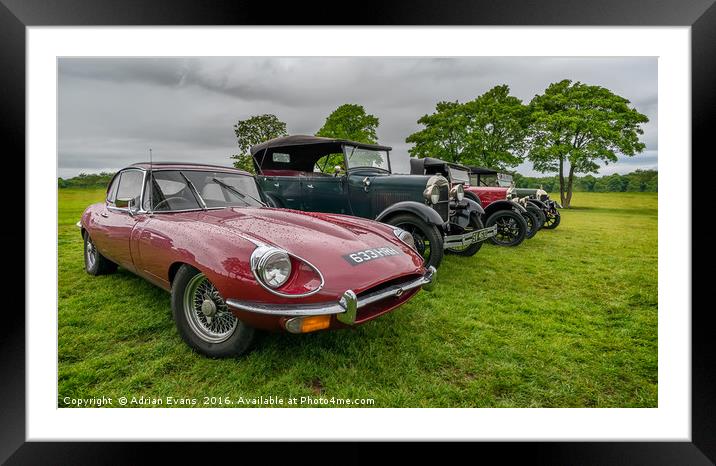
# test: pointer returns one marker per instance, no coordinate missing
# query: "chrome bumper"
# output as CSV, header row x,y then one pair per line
x,y
345,309
469,238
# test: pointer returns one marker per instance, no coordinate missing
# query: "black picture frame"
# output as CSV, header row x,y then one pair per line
x,y
16,15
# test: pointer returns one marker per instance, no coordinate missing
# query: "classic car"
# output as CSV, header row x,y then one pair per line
x,y
232,265
491,184
514,222
552,215
318,174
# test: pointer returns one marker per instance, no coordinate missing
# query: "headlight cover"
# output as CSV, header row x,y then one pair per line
x,y
405,237
457,192
432,194
272,266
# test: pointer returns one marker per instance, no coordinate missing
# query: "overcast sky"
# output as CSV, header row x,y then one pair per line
x,y
112,110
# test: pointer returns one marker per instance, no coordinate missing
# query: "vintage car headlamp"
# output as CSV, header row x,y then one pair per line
x,y
457,192
432,194
405,237
272,266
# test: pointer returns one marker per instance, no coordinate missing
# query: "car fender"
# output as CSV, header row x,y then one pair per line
x,y
421,210
463,210
473,197
503,205
538,203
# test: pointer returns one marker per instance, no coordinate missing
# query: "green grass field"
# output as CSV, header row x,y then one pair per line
x,y
568,319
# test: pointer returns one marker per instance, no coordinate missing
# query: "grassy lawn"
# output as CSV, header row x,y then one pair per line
x,y
567,319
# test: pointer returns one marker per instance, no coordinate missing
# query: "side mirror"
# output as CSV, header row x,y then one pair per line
x,y
126,204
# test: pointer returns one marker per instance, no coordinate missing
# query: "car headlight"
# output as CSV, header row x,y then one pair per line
x,y
432,194
457,192
405,237
271,265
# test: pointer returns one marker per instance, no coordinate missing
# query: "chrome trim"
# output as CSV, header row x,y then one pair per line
x,y
255,260
79,224
346,308
471,237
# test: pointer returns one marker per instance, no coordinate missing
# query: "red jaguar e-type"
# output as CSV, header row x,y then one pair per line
x,y
233,265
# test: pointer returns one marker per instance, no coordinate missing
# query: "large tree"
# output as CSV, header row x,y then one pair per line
x,y
487,131
252,131
350,121
579,125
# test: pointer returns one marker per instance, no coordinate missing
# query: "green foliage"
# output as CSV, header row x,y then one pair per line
x,y
583,126
350,121
488,131
529,333
252,131
86,180
637,181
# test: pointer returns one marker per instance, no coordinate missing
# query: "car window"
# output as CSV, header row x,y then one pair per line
x,y
130,185
112,191
328,163
364,157
220,189
170,192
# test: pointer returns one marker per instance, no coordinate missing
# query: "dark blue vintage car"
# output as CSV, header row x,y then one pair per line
x,y
335,175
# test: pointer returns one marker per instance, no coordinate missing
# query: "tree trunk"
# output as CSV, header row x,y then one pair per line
x,y
561,180
570,183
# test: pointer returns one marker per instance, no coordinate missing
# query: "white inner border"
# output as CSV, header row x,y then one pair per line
x,y
670,421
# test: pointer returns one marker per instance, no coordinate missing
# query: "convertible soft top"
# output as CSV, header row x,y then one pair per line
x,y
304,151
430,164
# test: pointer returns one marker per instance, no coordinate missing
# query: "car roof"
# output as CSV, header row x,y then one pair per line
x,y
185,166
304,140
483,171
418,166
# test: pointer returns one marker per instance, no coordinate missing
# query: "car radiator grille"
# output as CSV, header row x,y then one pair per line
x,y
383,200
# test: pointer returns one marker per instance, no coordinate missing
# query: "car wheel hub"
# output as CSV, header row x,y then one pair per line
x,y
206,312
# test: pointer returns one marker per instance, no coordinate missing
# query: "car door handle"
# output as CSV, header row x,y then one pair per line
x,y
104,214
309,186
275,185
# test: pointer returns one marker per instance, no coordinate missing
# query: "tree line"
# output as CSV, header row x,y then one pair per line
x,y
636,181
570,128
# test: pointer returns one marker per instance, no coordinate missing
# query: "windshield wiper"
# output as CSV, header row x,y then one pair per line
x,y
194,191
237,192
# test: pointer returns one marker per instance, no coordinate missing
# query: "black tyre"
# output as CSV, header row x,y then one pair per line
x,y
532,223
511,228
428,239
552,221
96,263
471,250
203,319
538,212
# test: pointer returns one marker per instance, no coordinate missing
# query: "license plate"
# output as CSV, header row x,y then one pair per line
x,y
367,255
481,235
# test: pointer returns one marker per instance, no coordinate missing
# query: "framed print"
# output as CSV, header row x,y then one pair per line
x,y
480,214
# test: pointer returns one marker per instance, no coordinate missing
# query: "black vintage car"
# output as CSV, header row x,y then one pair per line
x,y
514,223
346,177
552,215
546,212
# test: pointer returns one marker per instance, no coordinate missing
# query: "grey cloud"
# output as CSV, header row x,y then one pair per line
x,y
111,110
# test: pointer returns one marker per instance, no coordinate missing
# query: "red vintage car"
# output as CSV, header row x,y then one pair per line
x,y
234,265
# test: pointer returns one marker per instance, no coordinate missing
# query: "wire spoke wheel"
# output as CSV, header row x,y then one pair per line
x,y
206,311
91,253
422,244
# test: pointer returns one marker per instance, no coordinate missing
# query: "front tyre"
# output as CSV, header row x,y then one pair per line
x,y
511,228
537,212
532,223
428,239
95,262
471,250
552,221
203,319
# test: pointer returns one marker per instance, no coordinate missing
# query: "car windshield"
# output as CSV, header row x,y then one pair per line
x,y
214,189
459,176
367,158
